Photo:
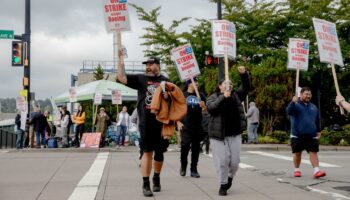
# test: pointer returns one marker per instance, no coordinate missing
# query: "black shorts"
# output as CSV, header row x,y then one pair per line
x,y
304,142
151,137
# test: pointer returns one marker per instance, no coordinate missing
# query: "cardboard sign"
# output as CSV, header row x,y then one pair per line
x,y
98,98
298,54
72,95
90,140
327,42
21,103
224,38
185,60
116,15
116,97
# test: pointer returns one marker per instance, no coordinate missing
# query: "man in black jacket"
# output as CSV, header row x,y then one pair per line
x,y
40,124
227,120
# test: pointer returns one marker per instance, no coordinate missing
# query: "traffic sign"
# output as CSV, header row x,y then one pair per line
x,y
6,34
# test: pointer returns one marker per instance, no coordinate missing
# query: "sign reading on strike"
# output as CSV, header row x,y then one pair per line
x,y
186,63
98,98
116,97
298,54
116,15
224,38
21,103
72,95
327,42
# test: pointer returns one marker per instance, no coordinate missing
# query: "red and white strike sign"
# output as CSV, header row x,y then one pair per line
x,y
327,42
116,15
117,97
185,61
224,38
298,54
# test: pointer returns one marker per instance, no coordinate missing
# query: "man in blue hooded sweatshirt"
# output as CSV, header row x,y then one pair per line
x,y
306,131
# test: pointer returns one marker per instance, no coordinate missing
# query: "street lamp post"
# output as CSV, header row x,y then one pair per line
x,y
221,60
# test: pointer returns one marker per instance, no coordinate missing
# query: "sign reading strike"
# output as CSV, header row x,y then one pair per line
x,y
90,140
327,42
98,98
186,62
21,103
224,38
116,97
298,54
72,95
116,15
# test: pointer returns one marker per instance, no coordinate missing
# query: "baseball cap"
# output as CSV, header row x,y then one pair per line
x,y
152,60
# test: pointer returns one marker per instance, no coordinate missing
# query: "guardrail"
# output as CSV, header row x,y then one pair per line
x,y
7,139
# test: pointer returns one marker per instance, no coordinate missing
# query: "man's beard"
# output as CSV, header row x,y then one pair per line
x,y
152,73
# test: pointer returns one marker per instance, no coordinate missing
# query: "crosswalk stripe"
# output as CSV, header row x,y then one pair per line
x,y
88,185
322,164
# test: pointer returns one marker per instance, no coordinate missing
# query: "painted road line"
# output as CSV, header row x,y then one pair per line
x,y
334,195
241,165
88,185
322,164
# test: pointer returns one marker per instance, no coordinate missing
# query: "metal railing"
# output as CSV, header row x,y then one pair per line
x,y
7,139
90,66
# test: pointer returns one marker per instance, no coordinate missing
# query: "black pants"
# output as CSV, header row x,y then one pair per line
x,y
190,140
79,130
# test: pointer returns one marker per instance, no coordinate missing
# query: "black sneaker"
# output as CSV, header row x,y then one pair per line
x,y
147,190
229,184
195,174
156,184
223,190
182,171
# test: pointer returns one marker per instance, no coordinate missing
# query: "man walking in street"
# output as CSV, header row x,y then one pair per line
x,y
253,123
305,134
150,129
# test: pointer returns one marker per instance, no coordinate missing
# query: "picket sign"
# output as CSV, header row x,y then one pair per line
x,y
329,48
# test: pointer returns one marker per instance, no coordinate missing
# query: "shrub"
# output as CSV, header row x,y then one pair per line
x,y
280,136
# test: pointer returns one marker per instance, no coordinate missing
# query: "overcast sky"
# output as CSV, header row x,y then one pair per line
x,y
66,32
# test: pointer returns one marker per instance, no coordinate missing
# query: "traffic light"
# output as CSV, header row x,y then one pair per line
x,y
17,53
211,60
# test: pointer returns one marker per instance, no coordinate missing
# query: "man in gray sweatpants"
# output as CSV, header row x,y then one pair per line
x,y
227,120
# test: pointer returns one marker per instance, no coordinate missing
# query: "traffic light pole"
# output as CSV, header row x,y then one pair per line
x,y
26,39
221,60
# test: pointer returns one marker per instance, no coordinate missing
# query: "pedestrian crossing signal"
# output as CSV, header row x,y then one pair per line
x,y
17,53
211,60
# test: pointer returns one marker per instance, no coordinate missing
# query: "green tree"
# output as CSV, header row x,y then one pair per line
x,y
98,73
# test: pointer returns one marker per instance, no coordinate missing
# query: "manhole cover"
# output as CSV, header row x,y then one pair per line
x,y
344,188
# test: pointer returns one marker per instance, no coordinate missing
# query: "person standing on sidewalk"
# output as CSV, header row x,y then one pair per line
x,y
101,125
191,128
150,128
19,132
227,120
123,123
306,131
253,123
79,120
40,124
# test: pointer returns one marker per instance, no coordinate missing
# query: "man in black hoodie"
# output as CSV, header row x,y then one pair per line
x,y
40,124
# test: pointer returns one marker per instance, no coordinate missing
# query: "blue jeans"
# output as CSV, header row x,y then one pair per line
x,y
253,132
121,132
39,134
19,141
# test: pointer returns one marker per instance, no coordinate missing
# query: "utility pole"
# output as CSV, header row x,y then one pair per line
x,y
26,39
221,60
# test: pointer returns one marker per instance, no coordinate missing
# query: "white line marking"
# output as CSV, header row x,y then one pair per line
x,y
88,185
241,165
335,195
5,151
322,164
